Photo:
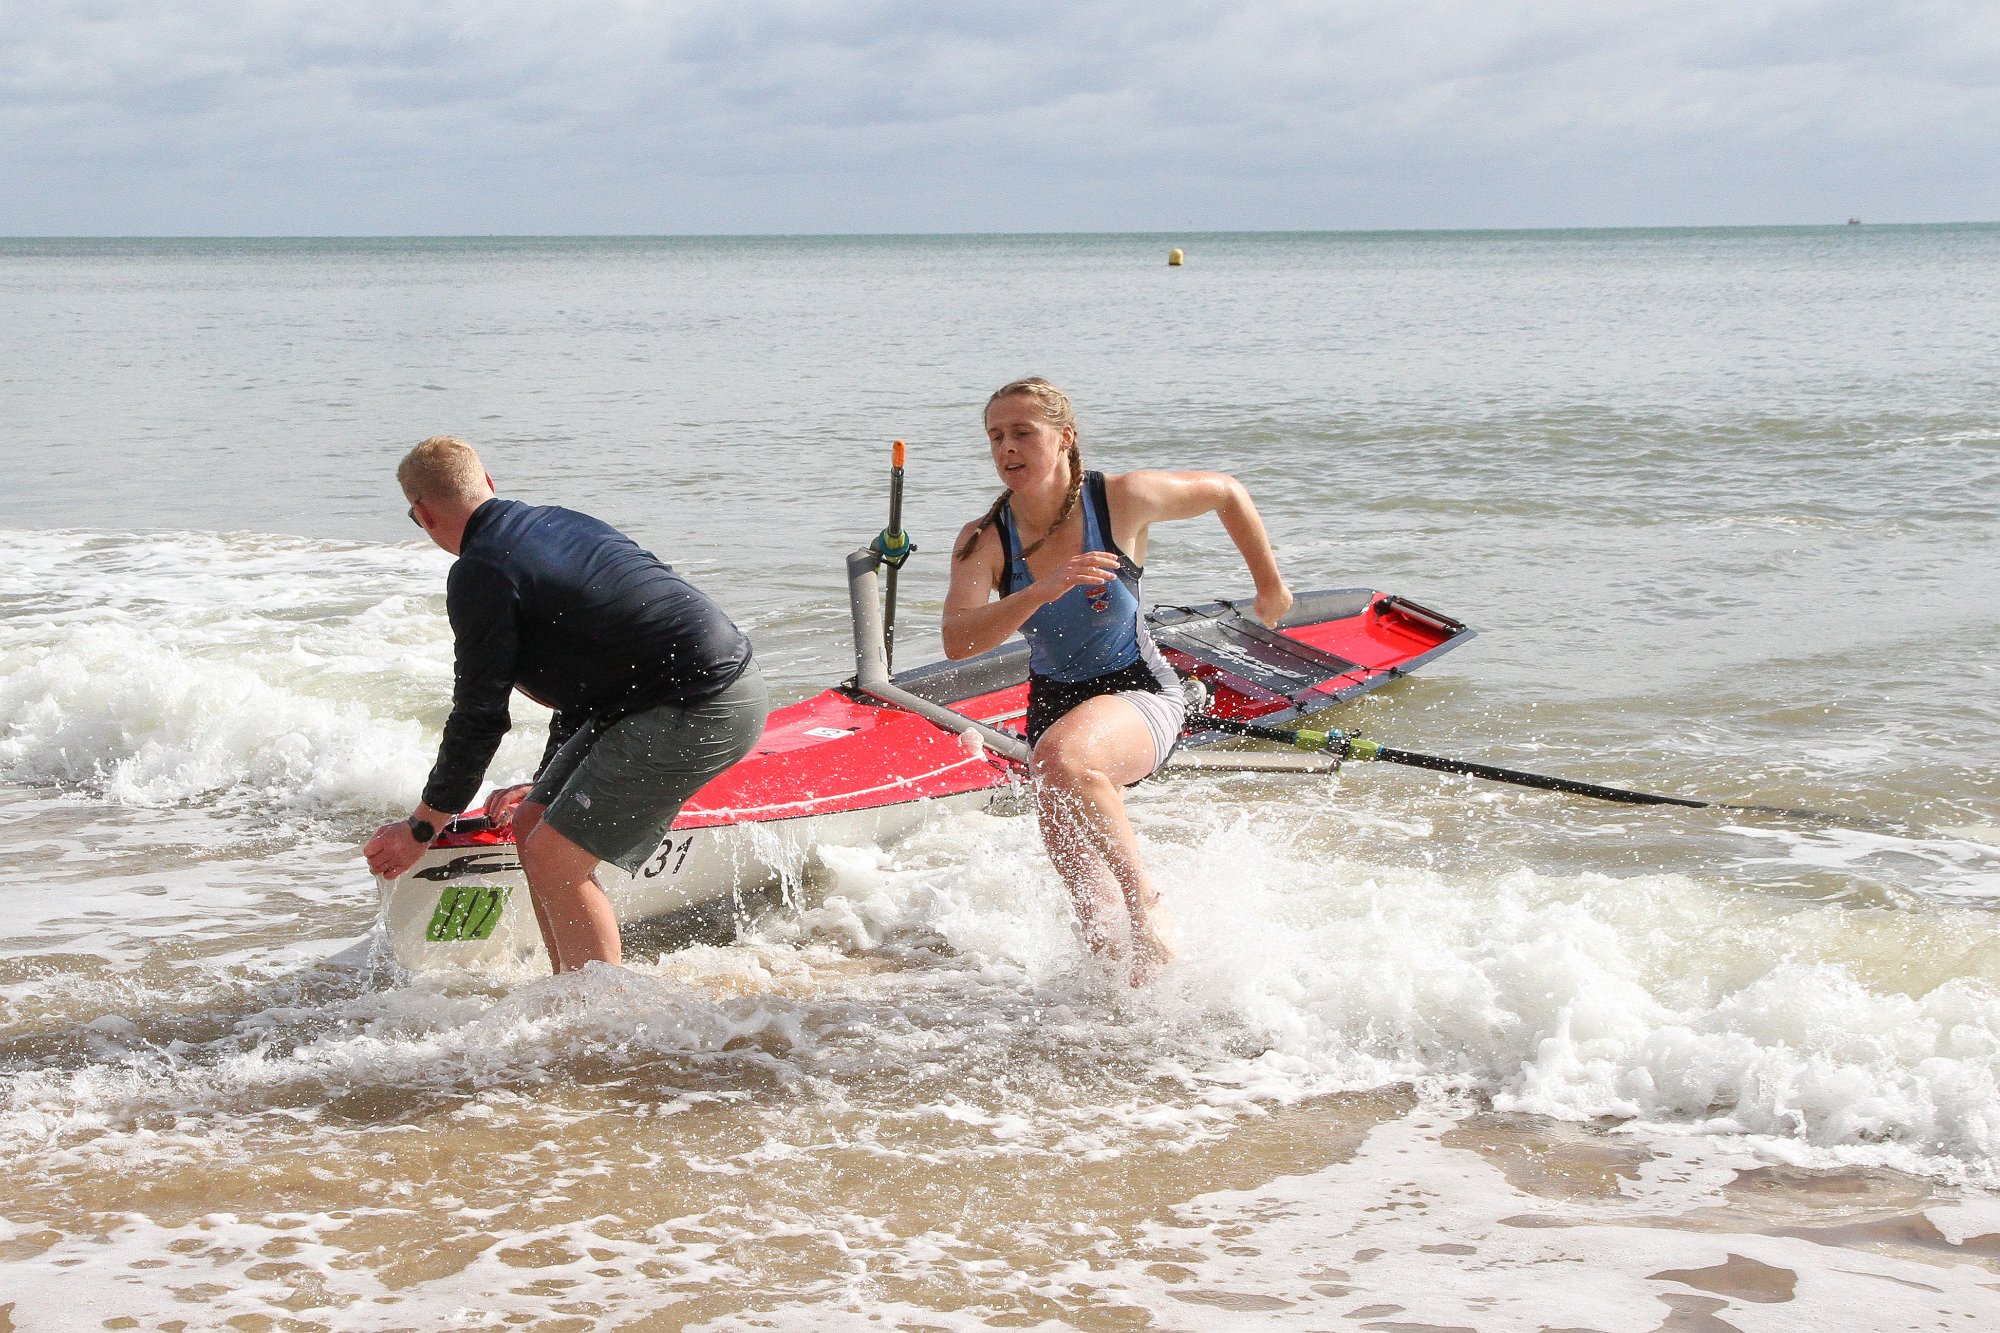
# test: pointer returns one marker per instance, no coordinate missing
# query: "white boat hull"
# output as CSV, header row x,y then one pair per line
x,y
468,907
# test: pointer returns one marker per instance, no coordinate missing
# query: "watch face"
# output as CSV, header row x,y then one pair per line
x,y
423,830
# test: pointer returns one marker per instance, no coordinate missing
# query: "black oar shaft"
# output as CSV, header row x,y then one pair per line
x,y
1353,747
1440,764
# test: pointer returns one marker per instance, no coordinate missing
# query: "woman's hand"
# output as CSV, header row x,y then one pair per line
x,y
1272,603
502,802
1088,569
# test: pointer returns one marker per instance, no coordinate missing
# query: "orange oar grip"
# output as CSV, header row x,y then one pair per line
x,y
896,454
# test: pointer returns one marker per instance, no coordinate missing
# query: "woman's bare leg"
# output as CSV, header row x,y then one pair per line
x,y
1082,765
1093,890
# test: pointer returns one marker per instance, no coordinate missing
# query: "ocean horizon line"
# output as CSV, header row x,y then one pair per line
x,y
1154,234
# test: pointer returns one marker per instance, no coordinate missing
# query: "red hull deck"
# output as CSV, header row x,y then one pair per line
x,y
839,752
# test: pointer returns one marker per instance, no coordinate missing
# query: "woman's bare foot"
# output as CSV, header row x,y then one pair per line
x,y
1152,949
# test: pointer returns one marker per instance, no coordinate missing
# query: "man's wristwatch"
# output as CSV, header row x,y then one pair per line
x,y
422,830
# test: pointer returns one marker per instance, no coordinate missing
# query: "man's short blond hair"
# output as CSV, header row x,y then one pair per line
x,y
441,469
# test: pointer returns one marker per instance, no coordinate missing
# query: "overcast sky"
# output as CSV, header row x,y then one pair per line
x,y
310,117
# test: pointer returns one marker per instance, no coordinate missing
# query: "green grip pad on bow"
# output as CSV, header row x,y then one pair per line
x,y
467,912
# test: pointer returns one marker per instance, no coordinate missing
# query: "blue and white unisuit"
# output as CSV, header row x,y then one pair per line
x,y
1093,640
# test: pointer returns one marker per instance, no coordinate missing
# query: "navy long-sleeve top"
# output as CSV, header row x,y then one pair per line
x,y
578,617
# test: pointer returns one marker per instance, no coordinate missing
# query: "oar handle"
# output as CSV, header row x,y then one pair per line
x,y
897,453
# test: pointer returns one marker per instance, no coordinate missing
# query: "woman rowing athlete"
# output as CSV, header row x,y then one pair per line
x,y
1063,550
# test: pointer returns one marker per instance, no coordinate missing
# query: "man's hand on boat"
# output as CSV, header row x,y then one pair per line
x,y
396,846
502,802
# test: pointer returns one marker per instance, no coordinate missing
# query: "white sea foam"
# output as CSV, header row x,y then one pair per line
x,y
932,1010
173,668
1850,1036
1316,956
1955,865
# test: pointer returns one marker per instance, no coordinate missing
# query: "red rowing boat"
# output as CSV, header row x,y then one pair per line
x,y
868,760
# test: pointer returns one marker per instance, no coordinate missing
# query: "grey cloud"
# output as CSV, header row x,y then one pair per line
x,y
612,114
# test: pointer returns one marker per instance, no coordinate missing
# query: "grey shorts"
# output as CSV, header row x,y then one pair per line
x,y
1165,715
614,790
1049,701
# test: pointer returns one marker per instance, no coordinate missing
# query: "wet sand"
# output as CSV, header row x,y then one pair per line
x,y
1358,1211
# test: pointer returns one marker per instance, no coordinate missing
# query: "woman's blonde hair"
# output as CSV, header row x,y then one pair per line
x,y
1056,409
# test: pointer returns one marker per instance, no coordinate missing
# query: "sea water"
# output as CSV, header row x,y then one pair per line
x,y
1435,1054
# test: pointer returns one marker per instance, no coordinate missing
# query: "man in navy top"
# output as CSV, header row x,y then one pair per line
x,y
653,688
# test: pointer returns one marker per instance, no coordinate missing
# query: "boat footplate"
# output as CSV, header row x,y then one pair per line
x,y
1257,661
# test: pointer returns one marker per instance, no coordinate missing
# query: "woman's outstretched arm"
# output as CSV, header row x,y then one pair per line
x,y
1140,499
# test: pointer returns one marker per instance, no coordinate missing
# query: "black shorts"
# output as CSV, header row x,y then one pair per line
x,y
1049,700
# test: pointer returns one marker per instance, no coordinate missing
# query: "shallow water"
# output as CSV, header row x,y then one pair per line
x,y
1437,1054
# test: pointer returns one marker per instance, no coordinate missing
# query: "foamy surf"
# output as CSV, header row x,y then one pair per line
x,y
241,671
689,1139
1854,1036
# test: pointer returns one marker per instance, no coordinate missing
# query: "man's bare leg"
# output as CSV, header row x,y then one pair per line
x,y
577,923
524,818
